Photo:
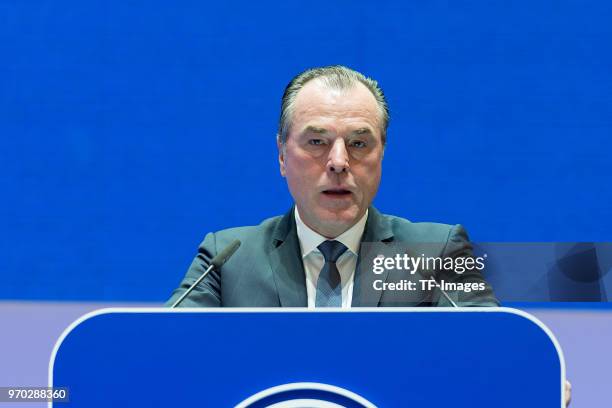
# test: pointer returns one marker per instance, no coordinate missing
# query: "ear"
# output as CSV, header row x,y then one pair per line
x,y
281,155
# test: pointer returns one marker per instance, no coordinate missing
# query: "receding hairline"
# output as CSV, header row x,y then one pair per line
x,y
324,84
333,77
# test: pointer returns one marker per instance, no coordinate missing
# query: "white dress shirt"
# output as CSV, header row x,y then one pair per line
x,y
313,259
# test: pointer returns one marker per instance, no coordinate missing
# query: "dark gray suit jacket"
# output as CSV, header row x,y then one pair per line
x,y
267,269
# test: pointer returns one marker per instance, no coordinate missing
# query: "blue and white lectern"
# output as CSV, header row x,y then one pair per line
x,y
425,357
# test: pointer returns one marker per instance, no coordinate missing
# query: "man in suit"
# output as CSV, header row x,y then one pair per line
x,y
331,142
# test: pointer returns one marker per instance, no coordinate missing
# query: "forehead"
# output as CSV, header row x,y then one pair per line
x,y
316,101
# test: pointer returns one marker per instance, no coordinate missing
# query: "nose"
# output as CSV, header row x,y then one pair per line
x,y
338,160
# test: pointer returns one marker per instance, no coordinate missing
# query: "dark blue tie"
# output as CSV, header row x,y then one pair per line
x,y
329,288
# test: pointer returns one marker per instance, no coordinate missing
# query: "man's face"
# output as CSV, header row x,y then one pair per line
x,y
332,157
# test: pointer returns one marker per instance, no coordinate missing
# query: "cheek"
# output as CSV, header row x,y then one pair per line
x,y
297,180
371,179
302,170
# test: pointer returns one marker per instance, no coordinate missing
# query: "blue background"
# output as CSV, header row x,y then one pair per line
x,y
129,130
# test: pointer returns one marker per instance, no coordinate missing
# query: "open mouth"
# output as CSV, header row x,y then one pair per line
x,y
336,192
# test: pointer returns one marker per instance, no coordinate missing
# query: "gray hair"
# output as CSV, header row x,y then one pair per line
x,y
334,77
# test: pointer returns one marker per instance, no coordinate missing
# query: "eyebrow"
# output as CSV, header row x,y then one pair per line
x,y
362,131
315,129
322,131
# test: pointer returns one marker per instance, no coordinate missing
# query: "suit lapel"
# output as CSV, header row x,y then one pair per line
x,y
286,264
288,269
377,230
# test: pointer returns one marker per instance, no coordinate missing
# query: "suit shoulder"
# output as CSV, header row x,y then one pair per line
x,y
265,228
405,230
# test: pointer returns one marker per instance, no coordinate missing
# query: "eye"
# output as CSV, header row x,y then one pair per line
x,y
316,142
358,143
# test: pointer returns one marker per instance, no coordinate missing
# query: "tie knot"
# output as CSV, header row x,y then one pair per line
x,y
332,250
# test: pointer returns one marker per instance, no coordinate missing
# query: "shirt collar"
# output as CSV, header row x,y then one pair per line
x,y
310,240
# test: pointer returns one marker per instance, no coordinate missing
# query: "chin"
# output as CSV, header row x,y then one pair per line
x,y
338,221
